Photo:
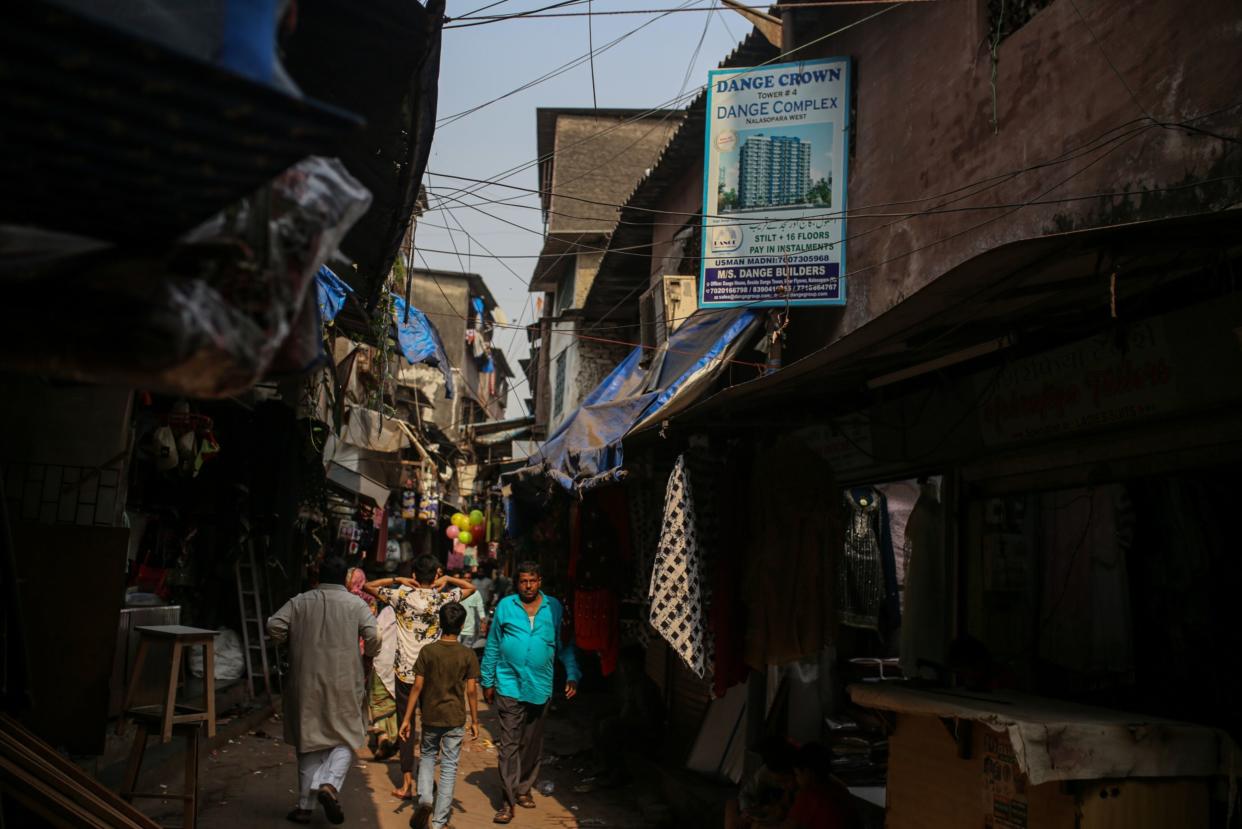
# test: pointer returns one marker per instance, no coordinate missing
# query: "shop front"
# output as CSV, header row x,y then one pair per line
x,y
984,563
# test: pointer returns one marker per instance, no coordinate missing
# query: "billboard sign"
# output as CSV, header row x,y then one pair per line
x,y
777,141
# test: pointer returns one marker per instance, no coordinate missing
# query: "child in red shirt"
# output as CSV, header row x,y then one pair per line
x,y
819,803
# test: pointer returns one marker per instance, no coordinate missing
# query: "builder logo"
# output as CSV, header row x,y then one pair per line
x,y
726,141
726,238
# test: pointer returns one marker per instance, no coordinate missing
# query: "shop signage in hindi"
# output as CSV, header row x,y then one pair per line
x,y
776,153
1086,385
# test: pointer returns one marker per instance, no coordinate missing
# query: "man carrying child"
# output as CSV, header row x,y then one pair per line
x,y
446,676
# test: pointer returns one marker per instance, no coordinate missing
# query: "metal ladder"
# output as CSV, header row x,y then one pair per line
x,y
254,624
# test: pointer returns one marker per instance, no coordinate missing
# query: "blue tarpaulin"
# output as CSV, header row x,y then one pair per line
x,y
331,291
419,340
586,449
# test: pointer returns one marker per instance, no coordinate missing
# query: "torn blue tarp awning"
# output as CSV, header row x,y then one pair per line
x,y
586,449
419,340
331,291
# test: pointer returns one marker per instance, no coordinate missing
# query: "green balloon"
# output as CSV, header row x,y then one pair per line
x,y
465,537
476,516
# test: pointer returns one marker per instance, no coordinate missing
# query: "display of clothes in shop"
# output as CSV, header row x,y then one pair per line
x,y
727,538
867,594
600,552
1085,619
646,505
479,336
183,442
794,533
925,623
596,625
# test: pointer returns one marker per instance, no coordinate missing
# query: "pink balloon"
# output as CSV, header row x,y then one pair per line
x,y
452,532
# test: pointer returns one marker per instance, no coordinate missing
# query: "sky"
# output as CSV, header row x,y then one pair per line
x,y
482,62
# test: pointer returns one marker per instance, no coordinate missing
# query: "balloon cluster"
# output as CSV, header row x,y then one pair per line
x,y
466,529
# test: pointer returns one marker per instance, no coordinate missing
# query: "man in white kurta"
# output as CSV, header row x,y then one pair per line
x,y
325,693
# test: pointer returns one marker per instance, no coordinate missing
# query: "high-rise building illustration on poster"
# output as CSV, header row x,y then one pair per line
x,y
774,185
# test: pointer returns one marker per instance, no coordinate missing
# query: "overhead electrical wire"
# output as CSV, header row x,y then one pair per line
x,y
519,168
856,212
475,19
996,179
1009,207
630,250
545,14
591,52
1013,206
549,75
467,15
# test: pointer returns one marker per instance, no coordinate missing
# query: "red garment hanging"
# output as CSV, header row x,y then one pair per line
x,y
597,625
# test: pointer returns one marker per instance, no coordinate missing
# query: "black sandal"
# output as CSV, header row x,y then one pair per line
x,y
331,806
302,816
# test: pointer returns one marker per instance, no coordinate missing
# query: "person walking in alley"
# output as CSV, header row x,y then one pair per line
x,y
323,720
445,674
417,604
474,632
518,666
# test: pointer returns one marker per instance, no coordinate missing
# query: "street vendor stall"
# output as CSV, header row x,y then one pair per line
x,y
1014,761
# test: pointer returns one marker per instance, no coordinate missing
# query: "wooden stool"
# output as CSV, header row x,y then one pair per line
x,y
147,723
170,714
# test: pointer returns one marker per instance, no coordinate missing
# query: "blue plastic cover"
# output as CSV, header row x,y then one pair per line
x,y
332,292
420,342
586,449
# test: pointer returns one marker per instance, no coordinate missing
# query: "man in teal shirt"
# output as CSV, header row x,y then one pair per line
x,y
518,666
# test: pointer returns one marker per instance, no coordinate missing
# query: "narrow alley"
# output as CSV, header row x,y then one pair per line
x,y
248,783
801,414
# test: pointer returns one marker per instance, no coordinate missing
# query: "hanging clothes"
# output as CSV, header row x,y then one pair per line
x,y
727,612
794,533
596,626
676,578
925,614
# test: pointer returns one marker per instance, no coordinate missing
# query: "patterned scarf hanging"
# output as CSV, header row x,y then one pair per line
x,y
676,578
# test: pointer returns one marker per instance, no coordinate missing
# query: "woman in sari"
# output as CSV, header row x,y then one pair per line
x,y
381,690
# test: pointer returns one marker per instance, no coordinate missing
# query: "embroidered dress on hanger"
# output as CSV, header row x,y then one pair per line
x,y
860,579
676,579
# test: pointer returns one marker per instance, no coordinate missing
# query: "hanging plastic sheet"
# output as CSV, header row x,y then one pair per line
x,y
586,450
419,340
332,292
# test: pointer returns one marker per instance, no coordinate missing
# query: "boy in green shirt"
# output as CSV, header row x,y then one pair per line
x,y
446,674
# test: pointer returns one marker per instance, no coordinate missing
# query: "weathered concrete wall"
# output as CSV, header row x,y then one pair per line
x,y
587,363
586,266
444,299
684,201
1067,129
595,361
